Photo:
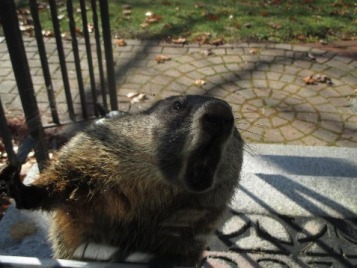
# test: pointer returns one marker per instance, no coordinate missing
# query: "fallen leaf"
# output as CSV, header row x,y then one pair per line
x,y
253,51
48,33
139,98
207,52
90,27
200,82
212,17
153,19
165,3
167,26
162,58
247,25
199,5
126,7
309,80
23,11
78,30
120,42
127,12
131,95
264,13
311,56
301,37
319,78
217,42
179,41
144,25
61,17
203,39
275,26
26,28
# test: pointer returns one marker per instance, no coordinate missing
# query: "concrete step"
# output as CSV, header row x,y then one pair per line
x,y
298,181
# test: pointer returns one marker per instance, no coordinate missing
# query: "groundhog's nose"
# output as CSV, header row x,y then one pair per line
x,y
218,118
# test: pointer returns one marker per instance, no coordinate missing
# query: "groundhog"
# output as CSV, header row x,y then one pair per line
x,y
155,182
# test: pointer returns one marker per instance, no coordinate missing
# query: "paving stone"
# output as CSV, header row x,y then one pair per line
x,y
175,50
277,68
249,58
317,100
259,83
325,135
307,93
291,88
317,67
291,133
334,73
287,78
272,52
305,107
7,86
276,85
308,117
273,136
277,121
273,76
334,126
263,123
328,108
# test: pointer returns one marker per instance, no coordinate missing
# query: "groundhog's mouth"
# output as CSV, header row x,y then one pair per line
x,y
201,168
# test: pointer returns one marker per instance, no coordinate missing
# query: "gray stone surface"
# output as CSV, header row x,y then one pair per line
x,y
298,181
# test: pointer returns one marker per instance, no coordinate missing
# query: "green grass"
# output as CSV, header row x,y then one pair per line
x,y
232,20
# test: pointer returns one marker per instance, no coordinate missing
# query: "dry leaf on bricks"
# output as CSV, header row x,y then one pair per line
x,y
162,58
207,52
309,80
120,42
139,98
217,42
179,41
200,82
136,97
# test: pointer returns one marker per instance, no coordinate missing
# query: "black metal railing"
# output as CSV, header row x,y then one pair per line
x,y
87,93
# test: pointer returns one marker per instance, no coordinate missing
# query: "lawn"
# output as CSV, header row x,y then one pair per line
x,y
231,20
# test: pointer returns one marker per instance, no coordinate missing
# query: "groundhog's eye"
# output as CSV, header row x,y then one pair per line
x,y
177,105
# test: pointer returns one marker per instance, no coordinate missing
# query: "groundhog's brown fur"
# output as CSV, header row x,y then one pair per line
x,y
154,182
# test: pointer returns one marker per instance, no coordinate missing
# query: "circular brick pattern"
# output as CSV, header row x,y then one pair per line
x,y
263,83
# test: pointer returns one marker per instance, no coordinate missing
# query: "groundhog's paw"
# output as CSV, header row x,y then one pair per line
x,y
16,190
8,173
11,176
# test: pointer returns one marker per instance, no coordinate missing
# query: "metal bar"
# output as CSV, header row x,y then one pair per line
x,y
18,261
44,62
62,60
77,60
21,70
99,54
6,137
89,54
107,38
